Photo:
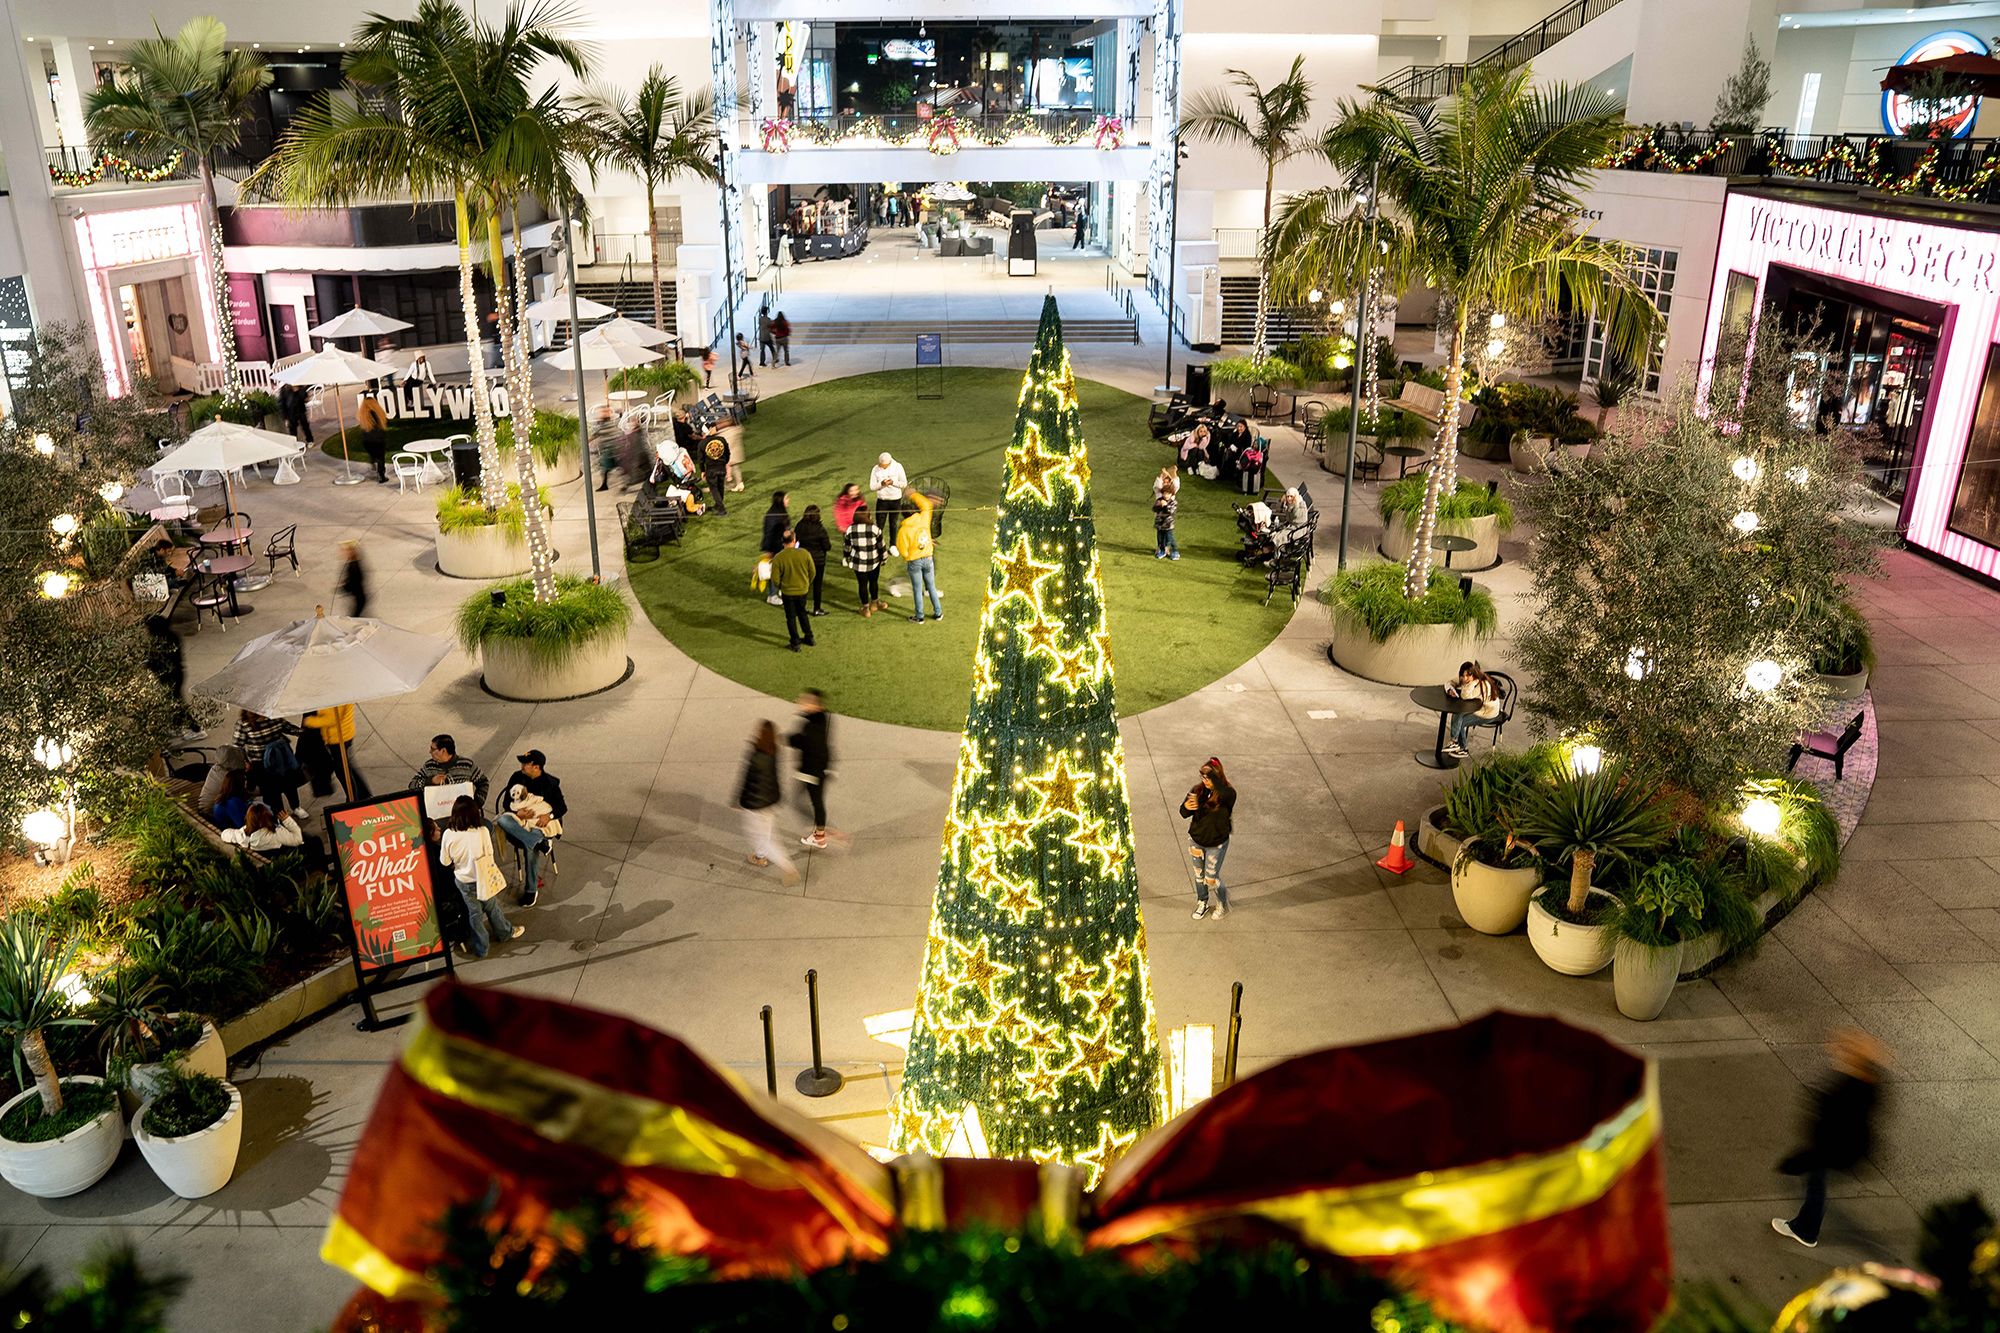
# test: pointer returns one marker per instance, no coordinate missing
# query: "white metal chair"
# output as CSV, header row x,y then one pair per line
x,y
408,468
172,488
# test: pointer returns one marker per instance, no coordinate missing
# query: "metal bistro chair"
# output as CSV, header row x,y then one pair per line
x,y
408,468
283,546
639,535
1828,746
210,592
1289,564
1510,695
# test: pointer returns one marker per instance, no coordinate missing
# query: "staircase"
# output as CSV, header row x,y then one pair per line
x,y
1424,83
834,332
631,295
1239,316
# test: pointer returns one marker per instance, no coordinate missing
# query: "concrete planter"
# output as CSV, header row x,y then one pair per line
x,y
195,1165
512,673
1397,539
1845,687
206,1056
482,553
1433,843
1575,951
1413,654
1493,901
331,986
1530,455
568,467
68,1165
1643,976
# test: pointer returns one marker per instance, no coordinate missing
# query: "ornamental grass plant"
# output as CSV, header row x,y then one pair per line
x,y
1373,594
1471,500
552,435
459,509
550,632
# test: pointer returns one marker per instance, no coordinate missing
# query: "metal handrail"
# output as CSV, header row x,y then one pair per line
x,y
1426,82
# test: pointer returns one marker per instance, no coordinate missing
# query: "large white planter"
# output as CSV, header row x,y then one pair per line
x,y
1483,531
1413,654
1575,951
206,1056
1433,841
1531,457
198,1164
482,553
1642,978
1845,687
68,1165
568,467
513,674
1493,901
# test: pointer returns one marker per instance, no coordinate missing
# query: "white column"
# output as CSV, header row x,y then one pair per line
x,y
1130,35
73,68
51,281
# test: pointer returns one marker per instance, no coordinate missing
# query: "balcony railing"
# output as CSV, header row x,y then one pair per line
x,y
1958,171
80,167
1423,83
905,129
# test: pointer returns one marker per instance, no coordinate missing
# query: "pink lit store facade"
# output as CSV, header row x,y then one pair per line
x,y
1908,300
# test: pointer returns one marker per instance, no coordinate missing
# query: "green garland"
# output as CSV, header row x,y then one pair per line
x,y
105,160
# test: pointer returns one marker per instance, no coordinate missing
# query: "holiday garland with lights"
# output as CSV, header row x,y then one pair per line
x,y
106,160
1034,1035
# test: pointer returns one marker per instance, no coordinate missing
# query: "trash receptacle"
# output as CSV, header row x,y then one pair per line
x,y
1197,385
465,464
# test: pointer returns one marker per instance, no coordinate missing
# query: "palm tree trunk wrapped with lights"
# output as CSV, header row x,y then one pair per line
x,y
518,377
1034,1034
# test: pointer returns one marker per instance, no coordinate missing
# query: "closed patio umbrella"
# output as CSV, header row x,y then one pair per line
x,y
331,367
325,662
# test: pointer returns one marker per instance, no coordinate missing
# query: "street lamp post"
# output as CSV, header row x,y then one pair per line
x,y
1363,323
576,362
1173,244
728,274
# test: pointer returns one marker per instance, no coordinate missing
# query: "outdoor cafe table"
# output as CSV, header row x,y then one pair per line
x,y
1451,544
430,449
226,537
1434,698
1402,453
229,566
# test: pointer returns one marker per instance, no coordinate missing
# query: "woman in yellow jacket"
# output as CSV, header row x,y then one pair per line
x,y
913,543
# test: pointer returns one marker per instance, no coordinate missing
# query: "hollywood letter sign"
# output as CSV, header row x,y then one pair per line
x,y
385,879
436,402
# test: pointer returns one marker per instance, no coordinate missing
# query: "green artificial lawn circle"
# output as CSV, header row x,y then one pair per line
x,y
1175,625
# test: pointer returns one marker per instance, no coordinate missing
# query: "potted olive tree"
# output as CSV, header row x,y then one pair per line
x,y
1494,872
190,1130
1590,820
60,1136
1380,634
1480,514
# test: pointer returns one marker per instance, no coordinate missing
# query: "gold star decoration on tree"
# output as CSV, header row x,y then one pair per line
x,y
1109,1148
1058,789
1040,1082
1018,901
1031,468
1078,978
1095,1052
978,971
1021,573
1041,635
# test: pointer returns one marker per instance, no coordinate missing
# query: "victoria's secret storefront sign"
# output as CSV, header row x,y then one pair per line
x,y
1883,252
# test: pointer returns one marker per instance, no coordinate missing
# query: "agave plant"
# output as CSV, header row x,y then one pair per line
x,y
1591,818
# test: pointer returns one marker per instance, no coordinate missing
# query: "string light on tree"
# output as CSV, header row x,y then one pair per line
x,y
1763,675
1034,1018
1746,469
1746,522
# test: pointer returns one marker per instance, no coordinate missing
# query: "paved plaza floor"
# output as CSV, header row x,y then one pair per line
x,y
656,915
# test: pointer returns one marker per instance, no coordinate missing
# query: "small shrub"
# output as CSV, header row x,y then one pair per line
x,y
553,435
1843,645
256,406
1391,425
1374,595
1471,500
82,1103
550,631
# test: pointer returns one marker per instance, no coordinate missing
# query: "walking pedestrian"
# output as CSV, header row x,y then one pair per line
x,y
743,366
814,742
708,367
1209,809
1166,503
1838,1128
353,579
792,576
374,424
913,543
607,441
815,542
466,845
861,551
758,797
715,467
167,656
781,329
767,341
335,728
1082,217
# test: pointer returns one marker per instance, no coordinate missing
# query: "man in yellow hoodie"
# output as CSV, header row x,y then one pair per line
x,y
913,543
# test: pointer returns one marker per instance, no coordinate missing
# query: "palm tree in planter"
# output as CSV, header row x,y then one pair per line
x,y
1479,197
1274,127
1589,819
62,1135
656,134
188,94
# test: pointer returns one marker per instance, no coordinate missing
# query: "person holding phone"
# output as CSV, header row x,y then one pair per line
x,y
1209,809
1472,683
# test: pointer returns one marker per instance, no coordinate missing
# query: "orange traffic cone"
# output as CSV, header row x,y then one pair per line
x,y
1398,860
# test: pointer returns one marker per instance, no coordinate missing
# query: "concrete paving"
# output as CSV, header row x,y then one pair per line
x,y
655,913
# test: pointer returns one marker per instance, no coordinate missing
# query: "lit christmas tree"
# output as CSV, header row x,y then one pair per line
x,y
1034,1034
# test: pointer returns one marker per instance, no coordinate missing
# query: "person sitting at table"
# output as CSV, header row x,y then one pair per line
x,y
1290,508
264,832
1195,448
535,807
1472,683
232,797
446,765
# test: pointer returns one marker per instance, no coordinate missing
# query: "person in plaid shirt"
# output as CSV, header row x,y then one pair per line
x,y
862,553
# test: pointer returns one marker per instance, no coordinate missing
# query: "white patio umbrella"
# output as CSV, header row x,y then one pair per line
x,y
633,331
597,350
555,307
225,447
331,367
358,323
325,662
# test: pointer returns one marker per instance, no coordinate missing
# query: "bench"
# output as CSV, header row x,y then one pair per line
x,y
1427,404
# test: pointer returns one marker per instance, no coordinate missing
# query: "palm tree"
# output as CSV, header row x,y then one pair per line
x,y
188,93
656,135
429,102
1275,128
1479,199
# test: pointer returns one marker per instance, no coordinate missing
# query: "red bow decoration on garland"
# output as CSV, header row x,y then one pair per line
x,y
1508,1170
944,135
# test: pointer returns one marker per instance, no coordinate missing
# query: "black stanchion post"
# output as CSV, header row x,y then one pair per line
x,y
1235,1029
819,1081
770,1053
